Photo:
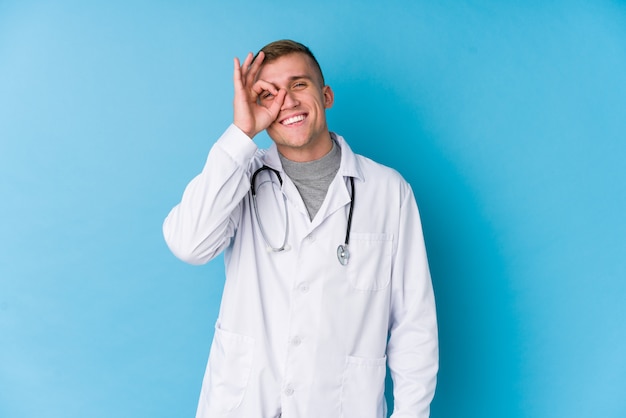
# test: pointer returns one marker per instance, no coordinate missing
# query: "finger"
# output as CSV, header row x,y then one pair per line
x,y
261,85
277,103
237,73
254,68
245,67
238,83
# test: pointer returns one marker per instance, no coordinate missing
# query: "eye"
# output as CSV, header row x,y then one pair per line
x,y
299,85
266,95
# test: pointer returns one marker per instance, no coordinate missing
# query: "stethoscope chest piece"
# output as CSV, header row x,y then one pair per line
x,y
343,254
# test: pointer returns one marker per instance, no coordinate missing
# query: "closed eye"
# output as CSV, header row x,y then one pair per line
x,y
266,95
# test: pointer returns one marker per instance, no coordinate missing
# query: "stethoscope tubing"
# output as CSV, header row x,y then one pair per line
x,y
269,246
343,254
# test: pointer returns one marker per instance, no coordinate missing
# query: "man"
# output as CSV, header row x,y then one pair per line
x,y
327,280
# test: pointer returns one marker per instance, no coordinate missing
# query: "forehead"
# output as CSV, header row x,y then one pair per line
x,y
285,68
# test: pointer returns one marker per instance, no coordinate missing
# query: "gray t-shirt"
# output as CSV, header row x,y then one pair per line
x,y
312,178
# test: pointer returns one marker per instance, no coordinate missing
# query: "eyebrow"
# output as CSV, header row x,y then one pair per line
x,y
298,77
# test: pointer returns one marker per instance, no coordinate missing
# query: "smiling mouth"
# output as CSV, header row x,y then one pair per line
x,y
293,120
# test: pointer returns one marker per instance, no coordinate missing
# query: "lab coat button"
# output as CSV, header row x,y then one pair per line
x,y
304,287
288,390
310,238
296,341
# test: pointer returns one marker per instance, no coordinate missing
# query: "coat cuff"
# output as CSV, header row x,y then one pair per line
x,y
237,145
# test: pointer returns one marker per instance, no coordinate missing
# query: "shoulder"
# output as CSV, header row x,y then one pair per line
x,y
385,182
379,184
373,171
365,168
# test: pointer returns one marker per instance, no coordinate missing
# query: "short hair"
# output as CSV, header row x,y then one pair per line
x,y
277,49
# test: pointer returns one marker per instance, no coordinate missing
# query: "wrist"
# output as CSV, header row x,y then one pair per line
x,y
249,132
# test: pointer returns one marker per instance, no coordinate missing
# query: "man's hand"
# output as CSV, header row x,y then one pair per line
x,y
249,115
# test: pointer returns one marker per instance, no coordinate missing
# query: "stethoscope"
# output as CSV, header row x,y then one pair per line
x,y
343,254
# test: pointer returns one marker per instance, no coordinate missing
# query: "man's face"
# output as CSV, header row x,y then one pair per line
x,y
300,131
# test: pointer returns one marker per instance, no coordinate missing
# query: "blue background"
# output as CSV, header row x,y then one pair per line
x,y
508,118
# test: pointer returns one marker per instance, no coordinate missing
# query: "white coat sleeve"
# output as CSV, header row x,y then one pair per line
x,y
412,349
202,224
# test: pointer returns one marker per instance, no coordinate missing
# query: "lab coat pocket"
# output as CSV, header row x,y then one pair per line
x,y
369,267
363,388
228,370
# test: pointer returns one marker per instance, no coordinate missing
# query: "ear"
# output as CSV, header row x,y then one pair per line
x,y
329,97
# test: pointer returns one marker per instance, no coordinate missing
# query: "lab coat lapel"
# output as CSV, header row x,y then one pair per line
x,y
339,194
271,159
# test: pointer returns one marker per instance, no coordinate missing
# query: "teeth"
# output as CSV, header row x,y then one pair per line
x,y
293,119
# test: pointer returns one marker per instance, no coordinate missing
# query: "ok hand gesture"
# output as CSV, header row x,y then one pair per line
x,y
249,115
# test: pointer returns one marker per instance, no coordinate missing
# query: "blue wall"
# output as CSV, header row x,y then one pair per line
x,y
508,118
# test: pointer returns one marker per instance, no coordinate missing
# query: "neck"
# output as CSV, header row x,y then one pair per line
x,y
309,152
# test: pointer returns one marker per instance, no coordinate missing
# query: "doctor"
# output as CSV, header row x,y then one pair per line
x,y
327,279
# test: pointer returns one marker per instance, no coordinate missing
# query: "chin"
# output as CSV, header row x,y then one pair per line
x,y
292,141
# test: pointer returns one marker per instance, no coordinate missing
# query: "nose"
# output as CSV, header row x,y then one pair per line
x,y
290,101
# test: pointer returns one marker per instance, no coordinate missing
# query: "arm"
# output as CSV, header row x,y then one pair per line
x,y
203,223
412,349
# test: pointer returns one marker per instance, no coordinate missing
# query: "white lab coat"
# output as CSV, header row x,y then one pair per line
x,y
298,333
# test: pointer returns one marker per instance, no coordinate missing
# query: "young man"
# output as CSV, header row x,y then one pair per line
x,y
327,280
